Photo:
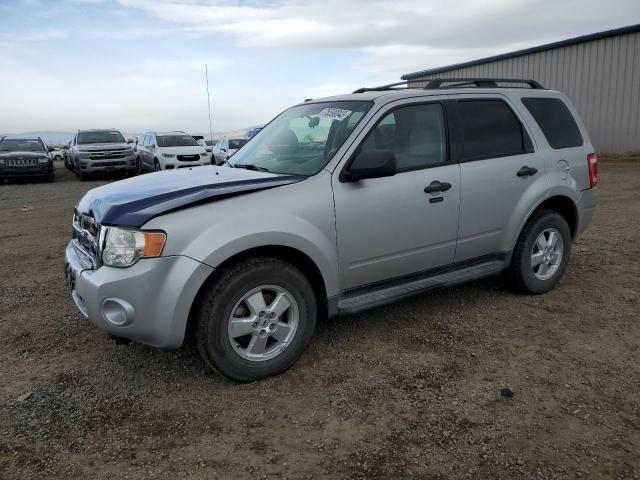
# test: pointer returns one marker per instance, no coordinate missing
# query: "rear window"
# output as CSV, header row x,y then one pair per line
x,y
555,121
490,129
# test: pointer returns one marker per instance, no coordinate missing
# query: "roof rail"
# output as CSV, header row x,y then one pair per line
x,y
382,88
435,83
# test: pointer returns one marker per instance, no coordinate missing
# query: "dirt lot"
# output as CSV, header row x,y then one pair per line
x,y
406,391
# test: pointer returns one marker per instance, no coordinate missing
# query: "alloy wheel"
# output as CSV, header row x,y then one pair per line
x,y
263,323
546,254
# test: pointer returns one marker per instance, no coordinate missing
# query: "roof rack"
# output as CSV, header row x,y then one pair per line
x,y
434,83
383,87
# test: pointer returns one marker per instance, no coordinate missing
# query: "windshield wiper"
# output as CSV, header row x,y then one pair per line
x,y
251,166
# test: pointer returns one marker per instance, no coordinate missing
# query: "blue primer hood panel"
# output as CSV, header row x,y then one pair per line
x,y
135,201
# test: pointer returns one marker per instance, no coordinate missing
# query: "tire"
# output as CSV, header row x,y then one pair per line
x,y
225,298
139,167
156,165
52,176
57,158
522,275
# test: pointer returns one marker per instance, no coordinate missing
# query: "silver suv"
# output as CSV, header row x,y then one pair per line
x,y
337,206
100,151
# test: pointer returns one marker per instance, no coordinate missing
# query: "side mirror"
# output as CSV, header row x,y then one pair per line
x,y
371,164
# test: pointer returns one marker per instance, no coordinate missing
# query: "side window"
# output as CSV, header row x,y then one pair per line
x,y
416,134
555,121
489,129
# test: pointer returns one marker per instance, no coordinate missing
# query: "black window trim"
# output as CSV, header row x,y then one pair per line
x,y
456,134
449,158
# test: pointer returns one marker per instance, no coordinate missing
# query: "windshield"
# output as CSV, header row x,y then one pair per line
x,y
108,136
235,144
21,145
303,139
176,141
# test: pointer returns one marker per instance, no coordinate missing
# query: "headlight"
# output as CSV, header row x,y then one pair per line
x,y
43,160
168,155
123,247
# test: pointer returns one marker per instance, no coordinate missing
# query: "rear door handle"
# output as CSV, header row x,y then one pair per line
x,y
437,186
527,171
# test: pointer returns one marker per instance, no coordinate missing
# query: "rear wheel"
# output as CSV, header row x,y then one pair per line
x,y
256,320
541,254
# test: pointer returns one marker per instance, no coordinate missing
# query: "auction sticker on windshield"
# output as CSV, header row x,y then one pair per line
x,y
335,113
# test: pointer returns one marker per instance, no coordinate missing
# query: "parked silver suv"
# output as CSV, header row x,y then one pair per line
x,y
100,151
337,206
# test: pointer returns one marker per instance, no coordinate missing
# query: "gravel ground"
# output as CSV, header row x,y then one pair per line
x,y
411,390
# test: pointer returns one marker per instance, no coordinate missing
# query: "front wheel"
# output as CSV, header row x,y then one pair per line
x,y
541,254
256,320
156,166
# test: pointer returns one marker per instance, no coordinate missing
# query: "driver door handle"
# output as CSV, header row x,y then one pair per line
x,y
437,186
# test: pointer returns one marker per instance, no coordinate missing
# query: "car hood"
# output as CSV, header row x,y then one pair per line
x,y
135,201
103,146
18,154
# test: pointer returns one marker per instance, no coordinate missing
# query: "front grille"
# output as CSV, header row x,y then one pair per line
x,y
188,158
22,162
86,234
107,154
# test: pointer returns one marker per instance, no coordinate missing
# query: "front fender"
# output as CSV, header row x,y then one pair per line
x,y
299,216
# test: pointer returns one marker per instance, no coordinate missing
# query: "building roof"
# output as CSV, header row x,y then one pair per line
x,y
526,51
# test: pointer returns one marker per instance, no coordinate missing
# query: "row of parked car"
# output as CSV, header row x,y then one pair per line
x,y
107,151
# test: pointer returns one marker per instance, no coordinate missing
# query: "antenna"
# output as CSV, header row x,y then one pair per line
x,y
213,159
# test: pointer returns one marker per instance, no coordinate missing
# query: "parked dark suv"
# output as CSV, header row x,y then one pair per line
x,y
25,157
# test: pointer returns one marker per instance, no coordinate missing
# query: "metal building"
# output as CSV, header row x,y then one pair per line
x,y
599,72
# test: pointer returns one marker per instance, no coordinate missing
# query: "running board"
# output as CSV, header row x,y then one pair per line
x,y
372,298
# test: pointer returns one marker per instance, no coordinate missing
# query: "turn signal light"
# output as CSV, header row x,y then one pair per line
x,y
153,244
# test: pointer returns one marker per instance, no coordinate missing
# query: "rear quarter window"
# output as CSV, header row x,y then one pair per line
x,y
555,120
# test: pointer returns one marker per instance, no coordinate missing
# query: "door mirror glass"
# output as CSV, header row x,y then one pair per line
x,y
371,164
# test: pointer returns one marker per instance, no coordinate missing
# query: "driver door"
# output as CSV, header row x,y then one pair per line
x,y
390,227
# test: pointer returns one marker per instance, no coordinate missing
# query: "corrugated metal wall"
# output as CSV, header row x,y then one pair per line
x,y
601,77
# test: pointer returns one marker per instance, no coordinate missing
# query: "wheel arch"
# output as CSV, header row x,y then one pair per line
x,y
560,203
288,254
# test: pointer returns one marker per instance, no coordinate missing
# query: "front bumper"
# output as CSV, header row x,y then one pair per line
x,y
148,302
40,170
125,164
170,164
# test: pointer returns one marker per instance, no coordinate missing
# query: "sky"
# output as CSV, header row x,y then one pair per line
x,y
138,65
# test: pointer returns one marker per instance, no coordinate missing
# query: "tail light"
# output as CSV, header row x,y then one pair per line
x,y
592,165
